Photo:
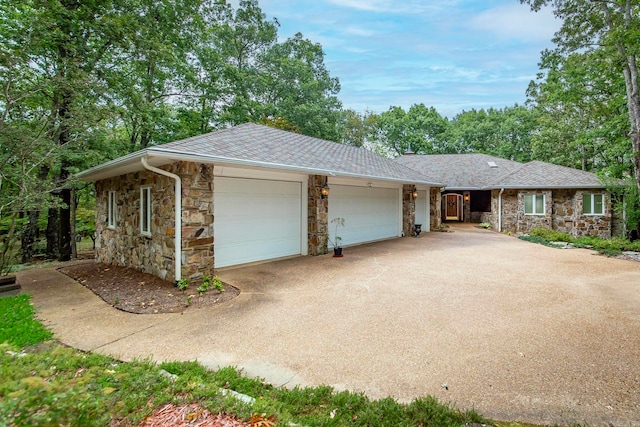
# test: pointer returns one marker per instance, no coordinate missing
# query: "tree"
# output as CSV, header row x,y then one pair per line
x,y
297,85
580,109
242,38
421,129
503,132
613,27
154,67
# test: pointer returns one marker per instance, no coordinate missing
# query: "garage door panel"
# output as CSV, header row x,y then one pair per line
x,y
370,213
256,220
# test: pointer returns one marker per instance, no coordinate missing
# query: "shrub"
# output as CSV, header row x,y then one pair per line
x,y
551,235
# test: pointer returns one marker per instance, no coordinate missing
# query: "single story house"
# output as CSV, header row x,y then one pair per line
x,y
515,197
249,193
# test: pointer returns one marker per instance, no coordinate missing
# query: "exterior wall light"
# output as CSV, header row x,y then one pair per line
x,y
324,191
415,193
466,197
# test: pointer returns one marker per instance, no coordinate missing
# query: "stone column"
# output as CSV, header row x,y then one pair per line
x,y
466,205
435,207
197,219
318,216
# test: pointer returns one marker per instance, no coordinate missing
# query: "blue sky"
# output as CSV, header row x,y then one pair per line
x,y
453,55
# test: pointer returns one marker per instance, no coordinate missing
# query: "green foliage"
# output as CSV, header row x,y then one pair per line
x,y
217,284
85,221
183,284
204,286
612,246
17,325
420,128
505,133
551,235
485,225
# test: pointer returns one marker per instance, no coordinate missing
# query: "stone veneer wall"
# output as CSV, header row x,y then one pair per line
x,y
563,212
197,219
435,208
408,210
318,216
125,246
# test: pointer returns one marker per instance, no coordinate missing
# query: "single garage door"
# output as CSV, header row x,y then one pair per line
x,y
255,220
422,216
370,213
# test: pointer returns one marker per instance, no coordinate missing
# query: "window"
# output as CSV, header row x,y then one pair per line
x,y
111,209
592,204
534,204
145,211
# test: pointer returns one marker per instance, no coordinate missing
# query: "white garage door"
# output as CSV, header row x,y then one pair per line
x,y
369,213
255,220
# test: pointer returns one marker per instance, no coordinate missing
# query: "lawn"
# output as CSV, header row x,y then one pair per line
x,y
44,383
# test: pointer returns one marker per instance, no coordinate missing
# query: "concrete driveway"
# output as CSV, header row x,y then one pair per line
x,y
515,330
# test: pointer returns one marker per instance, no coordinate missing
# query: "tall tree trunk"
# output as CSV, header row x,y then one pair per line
x,y
72,223
65,218
29,236
6,246
52,233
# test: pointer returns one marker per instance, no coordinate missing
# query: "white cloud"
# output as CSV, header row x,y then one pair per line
x,y
360,32
392,6
517,22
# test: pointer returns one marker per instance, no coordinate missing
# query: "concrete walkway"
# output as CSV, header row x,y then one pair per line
x,y
515,330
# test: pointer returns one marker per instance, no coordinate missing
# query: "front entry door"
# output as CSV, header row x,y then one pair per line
x,y
453,207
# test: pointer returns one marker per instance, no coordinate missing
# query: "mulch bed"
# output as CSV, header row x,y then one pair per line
x,y
137,292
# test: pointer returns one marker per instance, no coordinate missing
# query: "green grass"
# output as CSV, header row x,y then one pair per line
x,y
613,246
50,384
17,325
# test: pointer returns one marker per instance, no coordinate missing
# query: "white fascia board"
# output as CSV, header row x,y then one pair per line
x,y
176,155
547,187
105,170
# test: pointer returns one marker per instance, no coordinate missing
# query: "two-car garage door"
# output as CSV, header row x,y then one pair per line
x,y
256,219
370,213
260,219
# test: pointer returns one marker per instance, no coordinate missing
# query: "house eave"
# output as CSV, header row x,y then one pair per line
x,y
158,156
119,166
546,187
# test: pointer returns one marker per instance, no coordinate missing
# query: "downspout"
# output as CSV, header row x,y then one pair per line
x,y
500,210
177,214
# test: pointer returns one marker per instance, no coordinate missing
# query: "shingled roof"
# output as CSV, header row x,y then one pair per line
x,y
484,172
266,147
538,174
460,171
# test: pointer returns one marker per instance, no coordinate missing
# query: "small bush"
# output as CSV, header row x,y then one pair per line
x,y
551,235
183,284
609,247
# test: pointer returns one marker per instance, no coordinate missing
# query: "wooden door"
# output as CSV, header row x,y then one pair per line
x,y
451,207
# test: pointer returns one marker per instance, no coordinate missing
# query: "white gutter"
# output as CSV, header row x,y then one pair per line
x,y
500,210
160,152
178,214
